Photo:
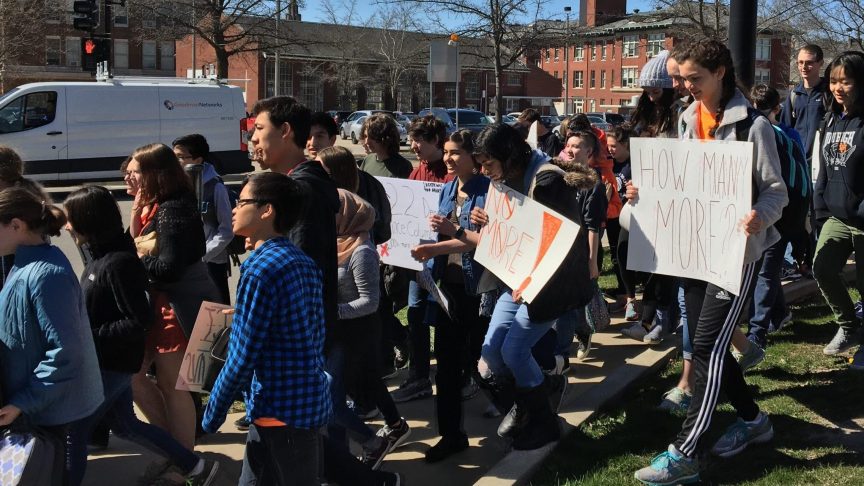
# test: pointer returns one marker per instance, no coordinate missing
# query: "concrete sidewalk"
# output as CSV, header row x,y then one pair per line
x,y
615,364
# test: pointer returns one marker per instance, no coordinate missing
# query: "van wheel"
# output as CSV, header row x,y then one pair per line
x,y
354,138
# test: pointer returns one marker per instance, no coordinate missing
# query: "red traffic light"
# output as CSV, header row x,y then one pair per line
x,y
89,46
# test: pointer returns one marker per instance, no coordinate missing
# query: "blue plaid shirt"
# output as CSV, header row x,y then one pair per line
x,y
277,342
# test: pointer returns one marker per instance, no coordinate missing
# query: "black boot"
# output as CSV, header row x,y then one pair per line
x,y
556,386
542,426
516,419
500,390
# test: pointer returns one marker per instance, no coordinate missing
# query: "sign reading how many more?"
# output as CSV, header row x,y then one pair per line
x,y
692,196
411,203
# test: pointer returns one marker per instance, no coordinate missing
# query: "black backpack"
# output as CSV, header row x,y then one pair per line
x,y
208,215
794,172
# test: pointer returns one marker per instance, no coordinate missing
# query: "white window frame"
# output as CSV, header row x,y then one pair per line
x,y
125,53
579,53
603,50
58,48
578,79
630,45
120,12
629,77
557,54
73,51
602,79
579,105
145,56
762,76
763,49
655,44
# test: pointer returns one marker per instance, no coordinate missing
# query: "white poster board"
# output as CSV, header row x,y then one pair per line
x,y
197,360
524,242
425,281
411,203
692,196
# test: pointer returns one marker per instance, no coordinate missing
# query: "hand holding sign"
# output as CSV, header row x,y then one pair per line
x,y
411,203
752,223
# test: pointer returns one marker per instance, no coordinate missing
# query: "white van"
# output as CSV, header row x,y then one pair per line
x,y
84,130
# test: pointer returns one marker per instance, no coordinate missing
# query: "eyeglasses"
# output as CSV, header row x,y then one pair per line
x,y
243,202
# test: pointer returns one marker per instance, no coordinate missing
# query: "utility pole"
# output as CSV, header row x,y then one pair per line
x,y
567,63
276,79
194,35
742,39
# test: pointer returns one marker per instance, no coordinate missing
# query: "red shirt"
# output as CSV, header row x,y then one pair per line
x,y
431,172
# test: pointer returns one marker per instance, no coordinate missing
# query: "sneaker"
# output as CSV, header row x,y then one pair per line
x,y
362,413
750,358
783,322
206,476
636,331
654,336
412,390
396,435
242,423
470,389
562,365
789,274
153,471
374,453
583,347
675,400
670,467
630,313
446,447
741,434
843,341
859,310
858,360
400,356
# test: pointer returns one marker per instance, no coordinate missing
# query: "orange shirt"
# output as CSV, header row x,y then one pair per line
x,y
269,422
704,123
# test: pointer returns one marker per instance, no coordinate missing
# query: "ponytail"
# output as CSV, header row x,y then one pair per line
x,y
39,214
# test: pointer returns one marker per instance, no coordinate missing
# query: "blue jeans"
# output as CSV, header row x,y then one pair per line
x,y
682,308
508,343
570,323
117,409
768,305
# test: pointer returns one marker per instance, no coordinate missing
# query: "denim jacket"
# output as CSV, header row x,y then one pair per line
x,y
476,189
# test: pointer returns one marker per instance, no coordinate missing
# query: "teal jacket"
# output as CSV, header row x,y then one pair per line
x,y
48,360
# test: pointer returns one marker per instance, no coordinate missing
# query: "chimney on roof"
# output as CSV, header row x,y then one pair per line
x,y
293,11
598,12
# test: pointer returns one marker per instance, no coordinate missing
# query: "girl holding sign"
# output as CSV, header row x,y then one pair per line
x,y
707,70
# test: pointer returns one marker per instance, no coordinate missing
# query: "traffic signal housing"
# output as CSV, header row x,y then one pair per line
x,y
90,11
94,51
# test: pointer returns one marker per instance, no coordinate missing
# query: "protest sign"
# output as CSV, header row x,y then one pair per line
x,y
425,281
411,202
524,242
692,195
197,361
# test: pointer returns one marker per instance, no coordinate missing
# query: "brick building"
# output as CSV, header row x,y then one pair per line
x,y
608,49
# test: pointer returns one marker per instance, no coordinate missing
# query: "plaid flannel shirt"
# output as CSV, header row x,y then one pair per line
x,y
277,341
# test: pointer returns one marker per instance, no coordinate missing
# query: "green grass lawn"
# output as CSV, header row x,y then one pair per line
x,y
815,403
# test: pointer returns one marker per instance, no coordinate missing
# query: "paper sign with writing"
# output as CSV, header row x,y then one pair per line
x,y
411,203
524,242
425,281
197,360
692,195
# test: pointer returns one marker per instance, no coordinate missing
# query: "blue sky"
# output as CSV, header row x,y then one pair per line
x,y
554,8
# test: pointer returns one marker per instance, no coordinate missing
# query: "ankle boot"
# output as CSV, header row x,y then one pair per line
x,y
516,419
542,425
500,390
556,386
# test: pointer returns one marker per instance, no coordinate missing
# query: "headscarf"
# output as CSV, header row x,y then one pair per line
x,y
353,224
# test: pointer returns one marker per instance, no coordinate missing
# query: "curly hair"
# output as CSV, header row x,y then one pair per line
x,y
382,128
428,128
712,55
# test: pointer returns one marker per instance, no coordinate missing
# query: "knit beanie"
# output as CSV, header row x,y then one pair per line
x,y
654,74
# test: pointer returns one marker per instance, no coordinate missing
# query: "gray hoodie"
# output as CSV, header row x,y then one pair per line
x,y
768,186
217,236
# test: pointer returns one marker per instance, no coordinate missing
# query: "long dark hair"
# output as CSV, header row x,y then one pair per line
x,y
852,63
652,119
712,55
162,176
40,215
504,144
93,213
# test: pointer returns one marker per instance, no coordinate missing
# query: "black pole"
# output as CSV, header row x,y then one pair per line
x,y
742,39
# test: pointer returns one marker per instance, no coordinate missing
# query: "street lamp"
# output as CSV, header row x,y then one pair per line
x,y
567,63
454,42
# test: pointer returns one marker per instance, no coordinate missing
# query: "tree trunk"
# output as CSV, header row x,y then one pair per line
x,y
499,98
221,63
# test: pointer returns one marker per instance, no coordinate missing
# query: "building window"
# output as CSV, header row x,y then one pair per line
x,y
53,49
556,54
594,51
593,105
655,44
121,53
512,104
472,87
602,102
612,78
148,55
166,52
578,53
763,49
547,55
73,51
579,105
286,77
628,77
603,79
577,79
762,76
514,79
121,15
631,45
449,94
310,93
603,51
593,83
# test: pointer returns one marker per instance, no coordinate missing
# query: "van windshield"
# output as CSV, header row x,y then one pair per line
x,y
8,95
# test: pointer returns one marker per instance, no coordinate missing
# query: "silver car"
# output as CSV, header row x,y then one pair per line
x,y
355,128
345,132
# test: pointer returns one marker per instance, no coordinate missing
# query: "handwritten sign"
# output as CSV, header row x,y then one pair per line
x,y
411,202
197,361
692,194
524,242
425,281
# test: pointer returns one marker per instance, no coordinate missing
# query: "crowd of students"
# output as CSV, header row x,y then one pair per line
x,y
314,332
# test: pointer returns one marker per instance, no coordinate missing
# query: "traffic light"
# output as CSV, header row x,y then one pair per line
x,y
94,51
90,10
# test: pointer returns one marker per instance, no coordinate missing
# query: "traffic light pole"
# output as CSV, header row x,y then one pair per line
x,y
742,39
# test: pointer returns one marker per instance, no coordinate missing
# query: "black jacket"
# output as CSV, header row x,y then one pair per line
x,y
840,187
373,191
315,232
179,238
114,285
550,144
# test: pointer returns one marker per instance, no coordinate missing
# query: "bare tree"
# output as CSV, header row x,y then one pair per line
x,y
230,27
398,48
22,25
499,32
350,45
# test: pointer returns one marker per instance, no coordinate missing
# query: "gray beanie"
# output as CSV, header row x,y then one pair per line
x,y
654,74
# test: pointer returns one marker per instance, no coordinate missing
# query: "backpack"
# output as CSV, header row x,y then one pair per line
x,y
794,172
208,215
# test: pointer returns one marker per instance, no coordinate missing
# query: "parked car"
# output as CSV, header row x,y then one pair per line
x,y
468,119
600,123
343,129
338,116
550,121
613,119
509,120
353,127
405,119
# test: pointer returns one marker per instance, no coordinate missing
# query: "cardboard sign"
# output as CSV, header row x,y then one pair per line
x,y
411,203
197,361
524,242
692,195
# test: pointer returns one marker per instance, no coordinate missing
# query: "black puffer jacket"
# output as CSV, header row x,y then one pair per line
x,y
179,238
114,284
